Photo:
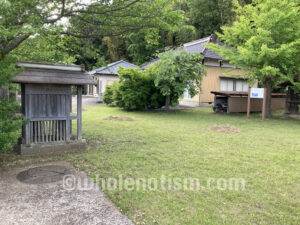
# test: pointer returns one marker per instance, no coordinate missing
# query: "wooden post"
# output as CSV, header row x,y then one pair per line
x,y
79,110
249,104
68,121
99,90
228,104
71,106
28,116
263,111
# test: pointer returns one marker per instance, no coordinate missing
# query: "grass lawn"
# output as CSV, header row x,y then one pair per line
x,y
265,153
177,144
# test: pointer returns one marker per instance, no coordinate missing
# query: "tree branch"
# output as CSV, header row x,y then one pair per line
x,y
78,35
14,44
73,12
106,11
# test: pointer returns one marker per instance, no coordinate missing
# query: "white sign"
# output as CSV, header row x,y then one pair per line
x,y
257,93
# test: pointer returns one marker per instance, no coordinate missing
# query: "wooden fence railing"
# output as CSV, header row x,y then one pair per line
x,y
48,131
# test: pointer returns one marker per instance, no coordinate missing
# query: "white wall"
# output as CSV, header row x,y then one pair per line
x,y
104,80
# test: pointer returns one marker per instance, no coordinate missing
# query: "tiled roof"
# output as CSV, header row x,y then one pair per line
x,y
112,69
145,65
196,46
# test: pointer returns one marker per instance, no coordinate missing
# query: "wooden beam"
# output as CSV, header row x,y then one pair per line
x,y
49,66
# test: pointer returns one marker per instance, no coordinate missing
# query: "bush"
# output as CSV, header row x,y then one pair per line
x,y
134,91
10,125
108,94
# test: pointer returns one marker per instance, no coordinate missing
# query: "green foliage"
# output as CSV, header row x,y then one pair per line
x,y
44,48
136,90
205,16
144,44
141,31
209,16
7,69
171,76
265,40
178,71
10,125
108,96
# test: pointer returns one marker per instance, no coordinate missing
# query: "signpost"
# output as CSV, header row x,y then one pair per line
x,y
256,93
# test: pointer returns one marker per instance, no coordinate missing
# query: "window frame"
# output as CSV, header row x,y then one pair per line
x,y
234,80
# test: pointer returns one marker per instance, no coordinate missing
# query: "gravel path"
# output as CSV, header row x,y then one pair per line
x,y
86,101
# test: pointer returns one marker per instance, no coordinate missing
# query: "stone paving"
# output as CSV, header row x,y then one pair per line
x,y
35,194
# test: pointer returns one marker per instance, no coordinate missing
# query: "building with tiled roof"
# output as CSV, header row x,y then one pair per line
x,y
217,78
106,75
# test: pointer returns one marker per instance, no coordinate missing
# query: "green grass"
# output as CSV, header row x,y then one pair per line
x,y
265,153
177,144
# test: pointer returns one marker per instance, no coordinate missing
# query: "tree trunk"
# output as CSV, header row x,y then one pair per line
x,y
167,103
4,92
268,86
292,101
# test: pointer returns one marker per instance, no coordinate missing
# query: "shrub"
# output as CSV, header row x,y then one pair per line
x,y
138,89
108,94
10,125
134,91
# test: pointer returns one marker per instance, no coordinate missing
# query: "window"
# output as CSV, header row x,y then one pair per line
x,y
241,85
227,84
186,94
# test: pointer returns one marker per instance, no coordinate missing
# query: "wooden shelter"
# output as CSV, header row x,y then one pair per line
x,y
46,103
236,102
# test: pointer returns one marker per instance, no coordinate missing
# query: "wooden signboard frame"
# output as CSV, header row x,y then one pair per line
x,y
263,111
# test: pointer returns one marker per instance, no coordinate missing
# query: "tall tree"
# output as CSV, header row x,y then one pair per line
x,y
136,36
265,41
207,16
25,25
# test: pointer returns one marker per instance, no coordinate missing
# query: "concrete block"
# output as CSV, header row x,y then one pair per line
x,y
51,148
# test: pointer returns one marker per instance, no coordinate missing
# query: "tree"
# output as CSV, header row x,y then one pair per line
x,y
265,41
144,44
178,71
28,24
44,48
207,16
137,36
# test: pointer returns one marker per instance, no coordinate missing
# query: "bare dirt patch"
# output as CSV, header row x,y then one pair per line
x,y
225,129
118,118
